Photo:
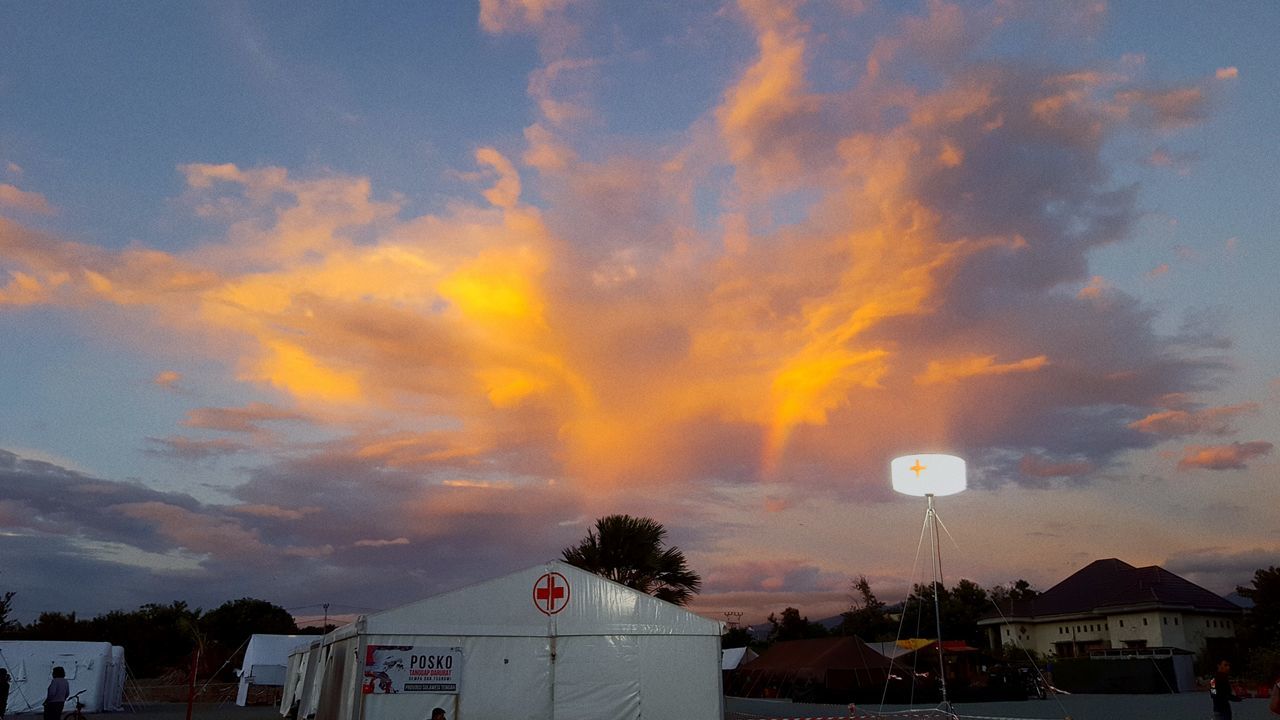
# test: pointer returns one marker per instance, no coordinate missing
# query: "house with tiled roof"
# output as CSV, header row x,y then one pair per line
x,y
1112,605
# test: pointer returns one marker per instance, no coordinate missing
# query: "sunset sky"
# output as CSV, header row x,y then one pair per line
x,y
326,303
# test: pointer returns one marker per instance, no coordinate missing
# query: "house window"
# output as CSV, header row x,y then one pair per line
x,y
1144,621
1006,632
1121,623
1175,621
1166,620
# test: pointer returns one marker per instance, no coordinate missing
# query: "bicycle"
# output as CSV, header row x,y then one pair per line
x,y
78,713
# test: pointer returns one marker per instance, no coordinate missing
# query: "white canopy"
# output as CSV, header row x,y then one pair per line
x,y
550,641
265,658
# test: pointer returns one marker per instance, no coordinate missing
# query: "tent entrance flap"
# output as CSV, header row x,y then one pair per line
x,y
597,678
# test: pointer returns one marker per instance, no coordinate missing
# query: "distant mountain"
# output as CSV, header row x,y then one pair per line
x,y
760,631
1238,599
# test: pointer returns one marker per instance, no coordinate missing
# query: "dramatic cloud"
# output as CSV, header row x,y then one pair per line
x,y
570,340
837,260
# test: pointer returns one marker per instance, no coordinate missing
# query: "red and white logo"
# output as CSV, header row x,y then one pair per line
x,y
551,593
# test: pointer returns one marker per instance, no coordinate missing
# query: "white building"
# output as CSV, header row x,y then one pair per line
x,y
1110,604
551,642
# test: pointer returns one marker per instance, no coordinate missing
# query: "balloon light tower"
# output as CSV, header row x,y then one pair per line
x,y
929,475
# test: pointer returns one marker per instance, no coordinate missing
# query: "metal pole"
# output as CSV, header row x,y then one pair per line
x,y
937,597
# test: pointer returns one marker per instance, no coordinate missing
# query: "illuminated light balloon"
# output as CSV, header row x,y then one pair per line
x,y
928,474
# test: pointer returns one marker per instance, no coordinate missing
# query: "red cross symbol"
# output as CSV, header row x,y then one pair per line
x,y
551,593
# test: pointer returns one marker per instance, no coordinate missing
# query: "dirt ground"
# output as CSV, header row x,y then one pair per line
x,y
178,711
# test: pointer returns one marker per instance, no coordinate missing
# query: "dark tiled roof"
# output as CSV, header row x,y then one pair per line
x,y
1113,583
843,653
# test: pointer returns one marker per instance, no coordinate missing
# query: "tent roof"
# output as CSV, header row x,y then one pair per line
x,y
731,658
269,650
516,605
829,653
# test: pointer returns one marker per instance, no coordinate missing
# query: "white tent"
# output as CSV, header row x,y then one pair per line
x,y
731,658
265,660
551,642
94,669
299,677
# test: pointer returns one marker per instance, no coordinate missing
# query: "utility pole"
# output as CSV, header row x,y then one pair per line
x,y
326,616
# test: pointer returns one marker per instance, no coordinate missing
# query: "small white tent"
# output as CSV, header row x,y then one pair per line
x,y
731,658
94,669
551,642
265,660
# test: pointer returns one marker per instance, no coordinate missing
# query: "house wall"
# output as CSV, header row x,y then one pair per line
x,y
1200,628
1186,631
1138,630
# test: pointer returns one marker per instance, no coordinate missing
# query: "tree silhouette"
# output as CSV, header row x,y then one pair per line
x,y
630,550
791,625
866,617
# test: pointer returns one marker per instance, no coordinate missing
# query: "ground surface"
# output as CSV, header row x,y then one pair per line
x,y
1187,706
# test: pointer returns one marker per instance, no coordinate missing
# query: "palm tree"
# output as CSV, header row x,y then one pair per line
x,y
629,550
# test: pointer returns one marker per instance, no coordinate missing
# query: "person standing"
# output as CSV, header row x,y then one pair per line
x,y
59,691
4,691
1221,692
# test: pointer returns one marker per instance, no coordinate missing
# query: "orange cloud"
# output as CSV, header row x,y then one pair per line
x,y
498,16
1165,108
1227,73
771,96
242,419
273,511
1096,289
1211,421
195,532
167,378
16,199
944,371
1223,457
